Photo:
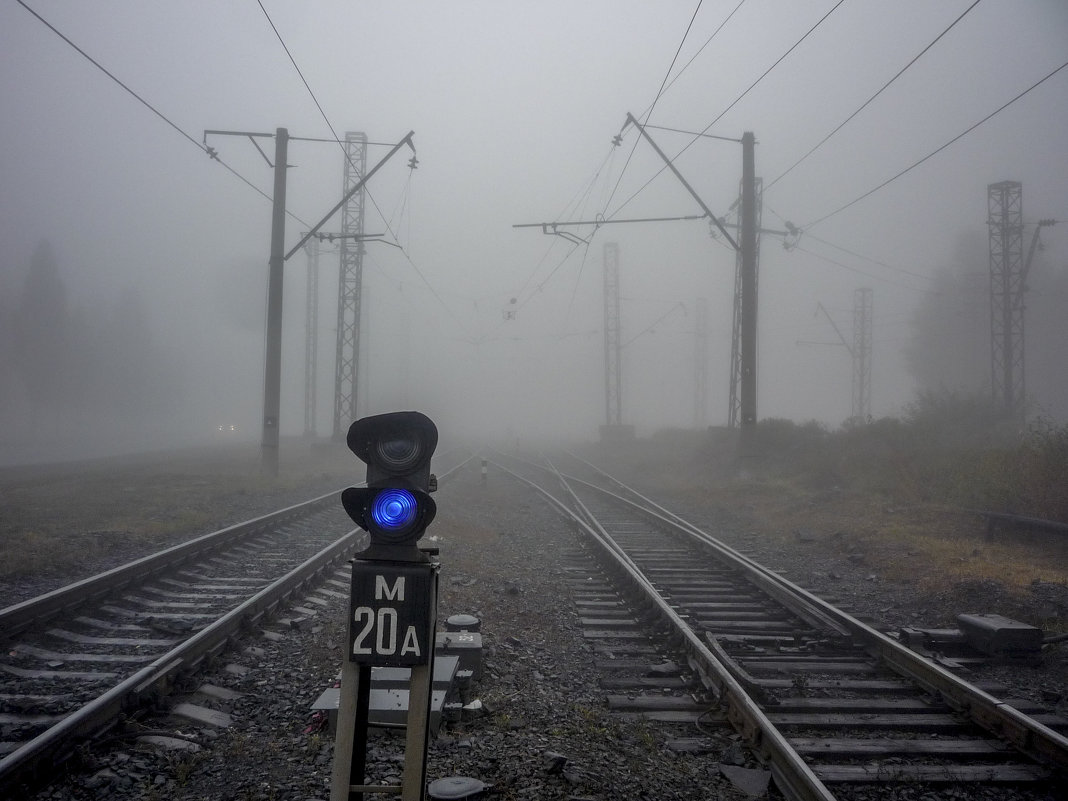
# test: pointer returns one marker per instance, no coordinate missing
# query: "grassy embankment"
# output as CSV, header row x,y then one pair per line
x,y
61,519
891,496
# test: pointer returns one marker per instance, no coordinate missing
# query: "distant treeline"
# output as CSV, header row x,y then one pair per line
x,y
63,366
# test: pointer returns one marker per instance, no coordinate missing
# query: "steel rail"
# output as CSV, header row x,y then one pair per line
x,y
154,680
1000,719
18,617
792,774
1019,522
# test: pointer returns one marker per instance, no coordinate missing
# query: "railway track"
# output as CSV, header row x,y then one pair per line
x,y
830,705
77,660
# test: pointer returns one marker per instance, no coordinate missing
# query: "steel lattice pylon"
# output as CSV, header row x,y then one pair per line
x,y
613,351
734,414
1005,223
350,283
862,328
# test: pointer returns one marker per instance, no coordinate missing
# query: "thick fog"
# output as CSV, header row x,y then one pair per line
x,y
133,267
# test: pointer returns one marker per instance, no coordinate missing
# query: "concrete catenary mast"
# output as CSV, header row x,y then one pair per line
x,y
861,352
613,349
700,370
734,413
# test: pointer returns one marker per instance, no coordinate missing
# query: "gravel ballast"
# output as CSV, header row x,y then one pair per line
x,y
544,731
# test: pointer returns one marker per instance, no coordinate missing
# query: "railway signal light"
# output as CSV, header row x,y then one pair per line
x,y
395,507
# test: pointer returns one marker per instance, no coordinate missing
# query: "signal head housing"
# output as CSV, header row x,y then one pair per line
x,y
395,507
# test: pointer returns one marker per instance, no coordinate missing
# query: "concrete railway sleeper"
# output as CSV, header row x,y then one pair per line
x,y
78,660
825,701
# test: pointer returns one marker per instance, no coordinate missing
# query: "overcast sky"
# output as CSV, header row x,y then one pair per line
x,y
514,107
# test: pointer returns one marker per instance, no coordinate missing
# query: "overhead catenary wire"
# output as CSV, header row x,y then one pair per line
x,y
199,145
866,274
656,322
867,102
700,50
322,112
675,58
665,86
665,83
733,103
304,80
649,111
937,150
370,197
891,267
574,206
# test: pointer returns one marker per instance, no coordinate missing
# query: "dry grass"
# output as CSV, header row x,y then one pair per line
x,y
921,545
895,513
60,520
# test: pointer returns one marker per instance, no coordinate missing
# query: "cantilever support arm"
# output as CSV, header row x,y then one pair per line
x,y
1034,246
359,185
690,189
834,325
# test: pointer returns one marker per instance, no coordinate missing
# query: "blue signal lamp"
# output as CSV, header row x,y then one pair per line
x,y
395,517
394,509
395,506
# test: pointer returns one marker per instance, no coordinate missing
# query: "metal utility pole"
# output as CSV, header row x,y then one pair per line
x,y
273,369
311,335
861,352
743,388
747,248
700,367
350,286
734,406
272,374
613,350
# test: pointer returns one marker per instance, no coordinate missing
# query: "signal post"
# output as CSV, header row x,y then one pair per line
x,y
393,600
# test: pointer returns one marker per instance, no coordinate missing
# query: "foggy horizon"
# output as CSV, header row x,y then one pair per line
x,y
154,256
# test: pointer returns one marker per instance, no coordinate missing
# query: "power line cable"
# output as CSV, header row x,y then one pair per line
x,y
304,80
870,99
655,323
370,197
895,269
766,72
326,119
938,150
649,111
701,49
864,273
573,206
891,267
664,88
663,83
200,146
735,102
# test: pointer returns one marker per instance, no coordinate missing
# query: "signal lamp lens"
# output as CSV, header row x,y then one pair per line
x,y
401,454
394,509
